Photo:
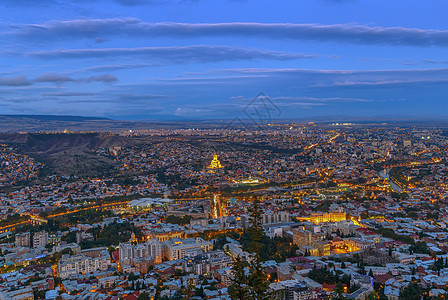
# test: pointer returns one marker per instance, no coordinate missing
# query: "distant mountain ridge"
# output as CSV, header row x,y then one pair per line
x,y
58,123
56,117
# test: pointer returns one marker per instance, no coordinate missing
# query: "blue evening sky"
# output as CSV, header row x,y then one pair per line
x,y
206,59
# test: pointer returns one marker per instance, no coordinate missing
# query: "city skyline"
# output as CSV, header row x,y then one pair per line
x,y
195,60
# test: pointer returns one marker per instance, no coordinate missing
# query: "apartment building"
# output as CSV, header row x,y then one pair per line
x,y
180,248
80,263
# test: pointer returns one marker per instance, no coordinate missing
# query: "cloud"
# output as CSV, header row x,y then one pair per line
x,y
106,78
433,61
315,99
139,97
187,54
53,77
192,112
102,68
58,78
140,2
69,94
14,81
125,27
26,3
20,100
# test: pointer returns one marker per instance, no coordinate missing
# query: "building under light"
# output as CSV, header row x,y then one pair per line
x,y
215,163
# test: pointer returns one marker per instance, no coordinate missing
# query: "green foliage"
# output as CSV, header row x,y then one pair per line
x,y
220,242
143,296
432,215
323,206
419,247
278,248
111,234
39,294
132,276
200,292
411,292
13,219
255,286
324,276
390,233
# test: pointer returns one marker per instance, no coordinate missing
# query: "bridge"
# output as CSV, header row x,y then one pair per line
x,y
411,163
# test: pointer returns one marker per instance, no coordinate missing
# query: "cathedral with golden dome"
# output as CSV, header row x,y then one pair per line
x,y
215,163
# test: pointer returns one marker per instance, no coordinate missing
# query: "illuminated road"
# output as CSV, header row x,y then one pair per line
x,y
37,219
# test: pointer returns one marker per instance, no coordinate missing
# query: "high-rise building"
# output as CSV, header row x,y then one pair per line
x,y
22,239
126,253
151,250
40,239
275,217
154,248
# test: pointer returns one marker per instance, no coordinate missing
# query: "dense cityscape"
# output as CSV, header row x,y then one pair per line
x,y
282,211
223,150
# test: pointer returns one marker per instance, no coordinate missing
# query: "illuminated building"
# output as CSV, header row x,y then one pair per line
x,y
165,236
249,181
318,217
215,163
180,248
302,237
305,238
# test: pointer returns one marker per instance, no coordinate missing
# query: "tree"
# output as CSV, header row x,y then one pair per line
x,y
132,276
255,286
339,290
257,276
188,291
420,247
411,292
200,292
371,273
143,296
258,279
255,229
239,289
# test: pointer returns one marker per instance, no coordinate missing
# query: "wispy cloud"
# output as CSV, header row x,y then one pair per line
x,y
343,33
59,78
106,78
54,78
187,54
69,94
14,81
117,67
